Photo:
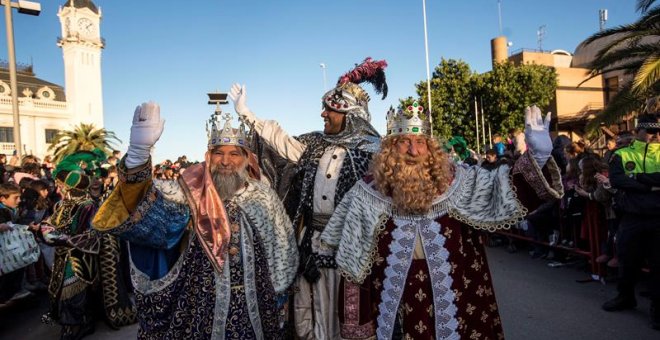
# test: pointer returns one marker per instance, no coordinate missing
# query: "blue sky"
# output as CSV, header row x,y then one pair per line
x,y
157,50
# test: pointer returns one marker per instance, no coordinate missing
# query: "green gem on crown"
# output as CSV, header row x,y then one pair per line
x,y
415,129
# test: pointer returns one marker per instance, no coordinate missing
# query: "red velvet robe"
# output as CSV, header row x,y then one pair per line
x,y
448,294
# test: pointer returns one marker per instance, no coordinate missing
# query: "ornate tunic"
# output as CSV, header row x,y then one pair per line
x,y
324,169
306,200
179,293
89,262
390,291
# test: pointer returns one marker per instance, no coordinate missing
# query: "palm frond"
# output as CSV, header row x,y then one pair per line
x,y
625,102
638,42
644,5
82,137
648,22
647,75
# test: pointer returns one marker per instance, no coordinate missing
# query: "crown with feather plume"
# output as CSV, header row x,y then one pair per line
x,y
349,97
220,131
411,120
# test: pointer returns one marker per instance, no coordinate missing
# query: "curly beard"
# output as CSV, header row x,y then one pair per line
x,y
413,189
228,184
413,183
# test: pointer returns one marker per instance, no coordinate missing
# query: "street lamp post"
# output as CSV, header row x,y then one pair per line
x,y
325,85
25,7
428,72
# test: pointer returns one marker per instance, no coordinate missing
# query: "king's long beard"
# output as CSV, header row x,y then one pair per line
x,y
412,187
227,184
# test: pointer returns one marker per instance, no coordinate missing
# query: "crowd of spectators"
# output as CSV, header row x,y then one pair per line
x,y
168,170
586,205
586,226
28,195
584,220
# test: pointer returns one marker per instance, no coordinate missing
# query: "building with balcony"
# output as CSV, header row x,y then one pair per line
x,y
45,107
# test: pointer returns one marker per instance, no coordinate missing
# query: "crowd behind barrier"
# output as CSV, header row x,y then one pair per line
x,y
580,228
582,225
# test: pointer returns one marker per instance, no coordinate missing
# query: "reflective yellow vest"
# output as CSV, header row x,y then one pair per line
x,y
640,157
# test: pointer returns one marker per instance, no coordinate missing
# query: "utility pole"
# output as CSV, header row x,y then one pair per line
x,y
499,14
428,72
476,120
483,123
325,81
24,7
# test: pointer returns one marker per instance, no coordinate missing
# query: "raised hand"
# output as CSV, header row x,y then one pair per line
x,y
537,134
145,132
603,180
238,95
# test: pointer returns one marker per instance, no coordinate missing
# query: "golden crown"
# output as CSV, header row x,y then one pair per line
x,y
411,121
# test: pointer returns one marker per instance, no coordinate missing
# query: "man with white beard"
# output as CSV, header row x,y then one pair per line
x,y
212,254
406,240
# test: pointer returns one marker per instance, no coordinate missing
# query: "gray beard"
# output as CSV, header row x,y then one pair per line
x,y
228,185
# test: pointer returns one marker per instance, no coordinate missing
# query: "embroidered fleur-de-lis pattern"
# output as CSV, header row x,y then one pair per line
x,y
421,276
420,327
406,308
478,314
418,309
420,295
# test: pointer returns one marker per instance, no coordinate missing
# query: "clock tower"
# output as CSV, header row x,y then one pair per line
x,y
81,45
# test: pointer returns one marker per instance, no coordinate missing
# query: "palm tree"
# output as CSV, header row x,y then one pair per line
x,y
635,50
83,137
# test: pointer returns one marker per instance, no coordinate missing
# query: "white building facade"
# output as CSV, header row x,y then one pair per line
x,y
46,108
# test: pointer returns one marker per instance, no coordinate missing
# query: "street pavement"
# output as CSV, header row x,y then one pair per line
x,y
536,302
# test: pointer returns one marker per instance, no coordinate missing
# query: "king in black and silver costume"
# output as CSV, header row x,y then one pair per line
x,y
326,167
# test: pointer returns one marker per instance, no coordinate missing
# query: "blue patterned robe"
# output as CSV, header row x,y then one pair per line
x,y
179,294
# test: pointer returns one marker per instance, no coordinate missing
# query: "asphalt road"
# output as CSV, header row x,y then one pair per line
x,y
536,302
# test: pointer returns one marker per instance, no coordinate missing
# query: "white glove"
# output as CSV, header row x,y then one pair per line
x,y
537,134
238,95
145,132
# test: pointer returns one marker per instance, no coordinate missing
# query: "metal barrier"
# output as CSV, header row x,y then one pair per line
x,y
586,243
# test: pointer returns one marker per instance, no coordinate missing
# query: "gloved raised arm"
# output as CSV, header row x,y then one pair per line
x,y
145,132
269,130
537,135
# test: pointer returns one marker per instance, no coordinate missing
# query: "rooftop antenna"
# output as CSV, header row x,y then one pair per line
x,y
602,14
540,35
499,14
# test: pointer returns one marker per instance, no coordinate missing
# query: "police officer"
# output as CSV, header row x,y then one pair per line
x,y
635,173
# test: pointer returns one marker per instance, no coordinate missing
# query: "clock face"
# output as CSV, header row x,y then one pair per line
x,y
86,26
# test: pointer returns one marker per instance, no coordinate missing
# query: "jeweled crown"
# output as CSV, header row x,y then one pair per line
x,y
411,121
220,132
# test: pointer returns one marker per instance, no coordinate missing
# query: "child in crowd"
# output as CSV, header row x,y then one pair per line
x,y
32,210
498,146
11,284
490,161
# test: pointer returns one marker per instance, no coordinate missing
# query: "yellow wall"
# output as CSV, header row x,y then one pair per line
x,y
570,99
